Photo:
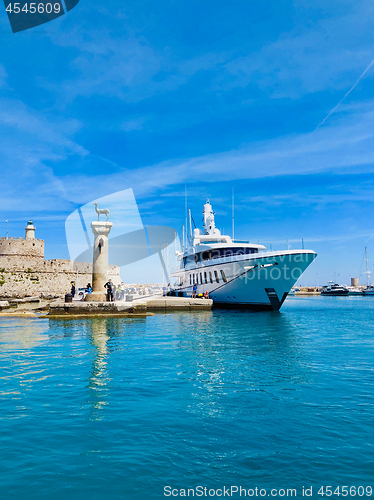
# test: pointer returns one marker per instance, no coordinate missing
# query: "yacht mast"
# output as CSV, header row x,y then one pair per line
x,y
185,213
190,216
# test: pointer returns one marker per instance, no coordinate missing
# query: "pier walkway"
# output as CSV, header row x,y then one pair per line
x,y
143,307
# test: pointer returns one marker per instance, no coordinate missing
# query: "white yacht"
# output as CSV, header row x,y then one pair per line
x,y
236,273
333,289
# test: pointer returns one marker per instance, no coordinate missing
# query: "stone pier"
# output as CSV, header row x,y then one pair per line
x,y
145,307
101,231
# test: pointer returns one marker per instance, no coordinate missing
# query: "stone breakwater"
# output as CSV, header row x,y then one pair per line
x,y
60,309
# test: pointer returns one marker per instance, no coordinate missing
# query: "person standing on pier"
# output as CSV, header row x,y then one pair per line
x,y
118,292
109,291
194,290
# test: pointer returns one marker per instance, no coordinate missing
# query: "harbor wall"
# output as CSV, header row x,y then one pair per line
x,y
29,248
45,280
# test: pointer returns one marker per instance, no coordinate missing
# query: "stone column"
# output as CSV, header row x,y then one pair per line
x,y
101,231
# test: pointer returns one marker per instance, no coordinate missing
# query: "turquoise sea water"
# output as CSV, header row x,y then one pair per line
x,y
119,408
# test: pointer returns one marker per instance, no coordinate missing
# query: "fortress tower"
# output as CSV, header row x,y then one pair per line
x,y
28,248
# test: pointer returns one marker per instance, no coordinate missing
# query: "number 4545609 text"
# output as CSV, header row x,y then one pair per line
x,y
34,8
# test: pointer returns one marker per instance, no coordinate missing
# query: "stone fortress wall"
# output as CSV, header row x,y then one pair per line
x,y
31,248
24,272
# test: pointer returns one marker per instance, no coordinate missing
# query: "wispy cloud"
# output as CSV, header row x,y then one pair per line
x,y
330,54
344,147
129,69
16,116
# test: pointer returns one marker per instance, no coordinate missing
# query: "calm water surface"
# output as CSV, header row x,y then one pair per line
x,y
119,408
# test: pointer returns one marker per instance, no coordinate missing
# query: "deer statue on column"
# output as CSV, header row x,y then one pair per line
x,y
102,211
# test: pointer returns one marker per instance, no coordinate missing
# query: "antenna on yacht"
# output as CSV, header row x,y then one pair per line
x,y
190,217
175,249
288,246
233,215
183,238
302,243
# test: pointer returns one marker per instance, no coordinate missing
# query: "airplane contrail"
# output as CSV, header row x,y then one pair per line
x,y
346,95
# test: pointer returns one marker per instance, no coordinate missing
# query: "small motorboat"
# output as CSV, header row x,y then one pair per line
x,y
335,290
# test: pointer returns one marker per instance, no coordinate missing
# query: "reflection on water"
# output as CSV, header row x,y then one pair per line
x,y
18,337
256,354
104,335
22,333
97,330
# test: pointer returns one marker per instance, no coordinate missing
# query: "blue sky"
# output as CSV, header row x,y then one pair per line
x,y
217,95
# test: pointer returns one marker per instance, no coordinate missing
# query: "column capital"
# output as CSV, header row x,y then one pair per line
x,y
101,227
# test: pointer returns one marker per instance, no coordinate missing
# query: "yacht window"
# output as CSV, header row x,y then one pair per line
x,y
190,279
190,259
210,277
205,278
223,276
201,279
216,276
217,253
206,255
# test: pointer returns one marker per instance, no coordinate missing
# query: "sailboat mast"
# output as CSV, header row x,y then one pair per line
x,y
367,266
233,215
